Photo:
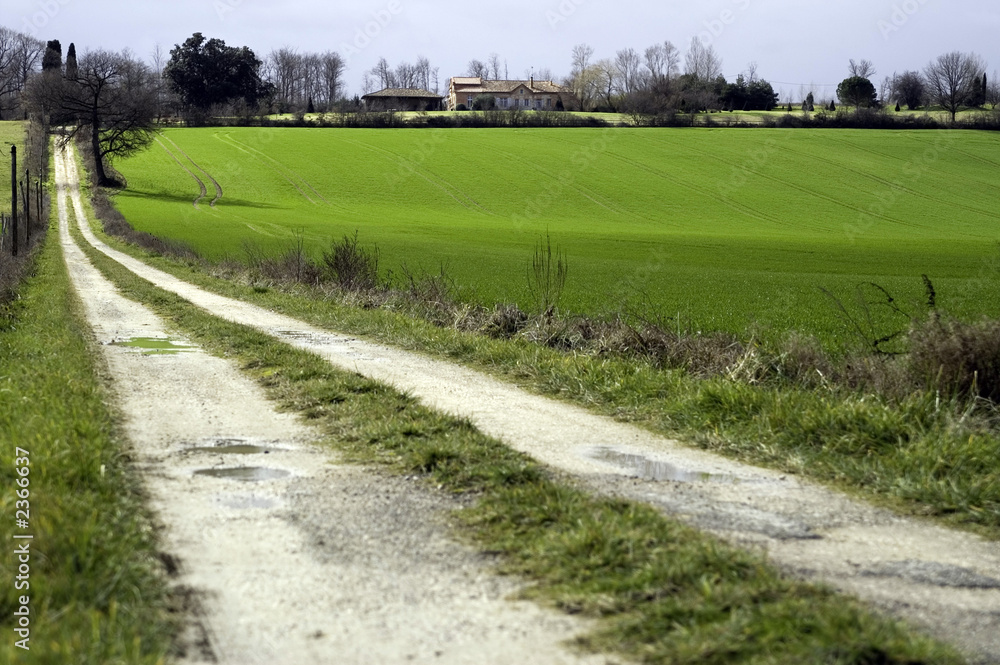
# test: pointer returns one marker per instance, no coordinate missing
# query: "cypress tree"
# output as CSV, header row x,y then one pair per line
x,y
71,66
52,60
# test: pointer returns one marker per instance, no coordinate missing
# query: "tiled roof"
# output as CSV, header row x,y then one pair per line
x,y
403,93
477,86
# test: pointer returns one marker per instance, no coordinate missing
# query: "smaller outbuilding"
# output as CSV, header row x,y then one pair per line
x,y
402,99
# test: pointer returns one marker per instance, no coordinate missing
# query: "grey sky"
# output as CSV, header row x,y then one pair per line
x,y
794,43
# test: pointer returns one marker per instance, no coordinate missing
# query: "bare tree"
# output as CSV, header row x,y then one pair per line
x,y
495,67
664,64
629,66
702,63
993,91
284,70
20,57
383,74
583,78
951,77
333,77
607,81
862,69
887,90
112,99
478,69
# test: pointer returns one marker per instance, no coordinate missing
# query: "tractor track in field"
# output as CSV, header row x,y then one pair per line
x,y
215,183
944,581
201,183
277,167
437,182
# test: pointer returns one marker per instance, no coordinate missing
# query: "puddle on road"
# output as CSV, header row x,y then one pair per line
x,y
658,471
248,474
154,345
236,449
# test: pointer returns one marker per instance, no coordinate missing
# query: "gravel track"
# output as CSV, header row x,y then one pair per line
x,y
305,560
946,581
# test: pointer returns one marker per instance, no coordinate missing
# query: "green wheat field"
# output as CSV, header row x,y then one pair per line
x,y
738,230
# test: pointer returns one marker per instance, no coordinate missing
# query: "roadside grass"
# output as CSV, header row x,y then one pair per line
x,y
664,592
926,454
96,592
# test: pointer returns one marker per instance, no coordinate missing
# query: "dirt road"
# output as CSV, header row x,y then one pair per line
x,y
286,555
946,581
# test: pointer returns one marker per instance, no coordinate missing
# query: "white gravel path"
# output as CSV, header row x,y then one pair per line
x,y
946,581
316,562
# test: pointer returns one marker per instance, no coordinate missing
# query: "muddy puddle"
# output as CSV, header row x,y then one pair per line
x,y
656,470
235,449
247,474
153,345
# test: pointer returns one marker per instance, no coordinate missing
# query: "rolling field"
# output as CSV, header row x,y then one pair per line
x,y
723,229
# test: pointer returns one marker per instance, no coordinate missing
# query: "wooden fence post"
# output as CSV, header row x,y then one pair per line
x,y
26,195
13,199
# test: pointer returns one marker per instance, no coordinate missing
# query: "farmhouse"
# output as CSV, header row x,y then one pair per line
x,y
530,94
402,99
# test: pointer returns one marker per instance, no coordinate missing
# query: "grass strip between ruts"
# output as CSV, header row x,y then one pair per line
x,y
665,592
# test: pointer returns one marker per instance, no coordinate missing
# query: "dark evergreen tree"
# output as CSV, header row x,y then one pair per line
x,y
72,69
857,91
206,72
52,60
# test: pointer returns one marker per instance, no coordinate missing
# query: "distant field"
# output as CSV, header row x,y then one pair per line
x,y
721,229
10,132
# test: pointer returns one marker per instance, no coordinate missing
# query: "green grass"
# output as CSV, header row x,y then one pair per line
x,y
96,592
663,592
726,229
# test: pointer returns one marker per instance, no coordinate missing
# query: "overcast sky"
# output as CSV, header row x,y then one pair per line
x,y
795,43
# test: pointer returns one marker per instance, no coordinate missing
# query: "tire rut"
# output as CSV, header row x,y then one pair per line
x,y
215,183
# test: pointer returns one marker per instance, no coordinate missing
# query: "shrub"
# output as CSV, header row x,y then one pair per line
x,y
957,358
351,266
